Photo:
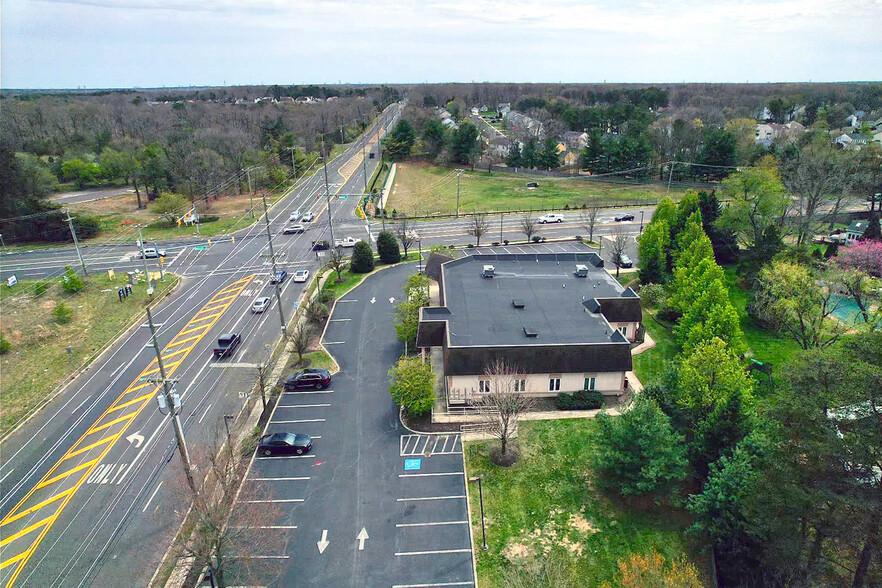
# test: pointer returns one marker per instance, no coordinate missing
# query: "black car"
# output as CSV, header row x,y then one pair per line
x,y
280,276
226,344
320,245
284,444
311,378
624,217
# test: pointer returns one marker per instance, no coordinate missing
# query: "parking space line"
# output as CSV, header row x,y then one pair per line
x,y
424,475
304,405
421,498
271,501
264,556
277,479
439,585
297,421
333,342
309,392
432,524
287,456
339,320
264,526
444,447
347,300
434,552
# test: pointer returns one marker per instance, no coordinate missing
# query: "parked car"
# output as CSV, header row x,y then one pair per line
x,y
260,304
551,218
279,277
295,216
151,252
284,444
624,217
308,217
345,242
320,245
291,229
625,261
301,275
226,344
309,378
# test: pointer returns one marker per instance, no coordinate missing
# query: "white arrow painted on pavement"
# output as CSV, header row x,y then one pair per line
x,y
136,438
323,544
361,538
391,301
374,299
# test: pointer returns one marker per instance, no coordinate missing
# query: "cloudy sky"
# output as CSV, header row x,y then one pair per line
x,y
154,43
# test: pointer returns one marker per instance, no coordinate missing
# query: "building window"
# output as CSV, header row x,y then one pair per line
x,y
554,384
520,385
624,331
484,386
590,383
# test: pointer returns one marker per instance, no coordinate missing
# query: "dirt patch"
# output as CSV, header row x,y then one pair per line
x,y
518,552
582,525
509,459
423,424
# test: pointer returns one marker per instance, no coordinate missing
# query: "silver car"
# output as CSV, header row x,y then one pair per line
x,y
260,304
307,218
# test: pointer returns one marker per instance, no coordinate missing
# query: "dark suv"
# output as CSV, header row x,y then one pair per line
x,y
312,378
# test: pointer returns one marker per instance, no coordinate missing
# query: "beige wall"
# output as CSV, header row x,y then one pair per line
x,y
610,383
632,329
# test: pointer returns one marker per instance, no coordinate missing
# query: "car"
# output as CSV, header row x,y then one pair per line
x,y
551,218
260,304
301,275
625,261
624,217
345,242
310,378
226,344
284,444
292,229
308,217
151,252
279,277
295,216
320,245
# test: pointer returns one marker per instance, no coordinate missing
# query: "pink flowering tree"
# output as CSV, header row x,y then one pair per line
x,y
865,256
857,271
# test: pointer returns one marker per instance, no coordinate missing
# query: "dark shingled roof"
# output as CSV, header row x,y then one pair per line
x,y
532,359
433,265
617,310
432,326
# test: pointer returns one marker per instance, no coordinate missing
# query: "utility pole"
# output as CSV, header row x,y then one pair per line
x,y
670,178
273,260
293,161
458,173
167,386
363,160
144,259
501,216
327,189
250,192
73,234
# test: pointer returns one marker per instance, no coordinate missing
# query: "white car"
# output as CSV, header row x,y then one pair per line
x,y
307,218
551,218
293,229
151,252
301,275
295,216
260,304
345,242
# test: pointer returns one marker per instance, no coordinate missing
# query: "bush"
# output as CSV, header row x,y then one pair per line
x,y
86,226
470,246
496,243
536,238
317,312
5,345
669,315
581,400
63,313
578,238
40,288
362,258
653,295
505,241
412,385
387,247
71,282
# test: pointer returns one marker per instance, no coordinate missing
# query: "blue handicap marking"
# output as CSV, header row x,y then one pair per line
x,y
412,464
199,248
343,196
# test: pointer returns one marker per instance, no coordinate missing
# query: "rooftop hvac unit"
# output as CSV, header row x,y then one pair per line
x,y
489,271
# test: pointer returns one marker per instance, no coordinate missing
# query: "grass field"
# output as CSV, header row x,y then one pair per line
x,y
546,507
38,360
422,189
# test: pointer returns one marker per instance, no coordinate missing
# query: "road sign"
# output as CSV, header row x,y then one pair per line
x,y
11,281
412,464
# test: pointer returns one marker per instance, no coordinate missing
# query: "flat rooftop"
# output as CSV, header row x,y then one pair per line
x,y
532,299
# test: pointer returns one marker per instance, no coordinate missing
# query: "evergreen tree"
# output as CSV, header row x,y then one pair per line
x,y
549,158
433,137
874,230
362,258
464,146
530,154
399,143
387,247
723,240
513,159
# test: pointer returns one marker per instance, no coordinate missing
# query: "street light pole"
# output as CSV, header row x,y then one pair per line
x,y
227,419
250,192
273,260
144,259
458,173
420,247
641,222
327,189
481,498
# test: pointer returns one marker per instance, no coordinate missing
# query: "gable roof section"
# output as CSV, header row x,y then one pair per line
x,y
433,265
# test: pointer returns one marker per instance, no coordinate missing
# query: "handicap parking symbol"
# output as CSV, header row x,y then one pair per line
x,y
412,464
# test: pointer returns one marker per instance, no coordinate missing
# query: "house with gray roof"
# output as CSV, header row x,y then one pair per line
x,y
561,320
856,230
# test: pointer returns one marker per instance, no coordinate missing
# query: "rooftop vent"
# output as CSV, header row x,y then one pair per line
x,y
517,303
531,332
489,271
581,271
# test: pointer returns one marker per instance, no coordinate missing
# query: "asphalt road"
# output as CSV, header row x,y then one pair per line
x,y
106,513
355,482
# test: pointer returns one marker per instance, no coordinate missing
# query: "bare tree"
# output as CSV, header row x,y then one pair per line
x,y
229,517
478,226
588,219
528,226
299,339
816,175
405,234
504,400
337,261
619,242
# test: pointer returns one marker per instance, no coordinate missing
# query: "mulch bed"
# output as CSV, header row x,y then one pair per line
x,y
424,424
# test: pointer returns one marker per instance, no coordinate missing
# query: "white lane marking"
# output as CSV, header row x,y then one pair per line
x,y
347,300
272,501
325,404
7,474
435,552
431,498
264,556
207,408
264,526
287,456
297,421
151,496
439,585
312,392
433,524
81,404
426,475
343,320
277,479
333,342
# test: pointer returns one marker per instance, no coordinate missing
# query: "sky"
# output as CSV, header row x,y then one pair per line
x,y
157,43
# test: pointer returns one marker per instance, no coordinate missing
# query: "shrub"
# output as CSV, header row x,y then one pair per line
x,y
362,258
581,400
505,241
40,288
63,313
669,315
578,238
71,282
317,312
86,227
536,238
496,243
653,295
387,247
470,246
5,345
412,385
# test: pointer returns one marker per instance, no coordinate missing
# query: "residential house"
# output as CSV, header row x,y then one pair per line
x,y
561,320
521,123
856,230
851,140
475,111
449,122
567,157
855,119
503,108
576,140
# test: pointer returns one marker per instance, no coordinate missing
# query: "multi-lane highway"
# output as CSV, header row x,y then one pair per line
x,y
87,495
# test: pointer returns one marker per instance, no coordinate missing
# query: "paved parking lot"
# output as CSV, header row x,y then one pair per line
x,y
563,247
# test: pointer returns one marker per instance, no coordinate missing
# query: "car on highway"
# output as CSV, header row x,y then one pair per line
x,y
284,444
320,245
551,218
295,216
624,217
260,304
226,344
308,217
293,229
301,275
625,261
151,252
310,378
279,277
345,242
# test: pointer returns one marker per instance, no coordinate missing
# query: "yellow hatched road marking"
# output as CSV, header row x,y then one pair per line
x,y
131,415
50,477
178,352
25,531
182,341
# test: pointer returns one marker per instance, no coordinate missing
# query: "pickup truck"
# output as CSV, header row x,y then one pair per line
x,y
226,344
345,242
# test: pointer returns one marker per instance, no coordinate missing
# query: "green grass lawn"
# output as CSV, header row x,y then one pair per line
x,y
422,189
651,363
38,361
546,504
